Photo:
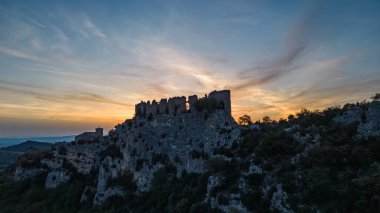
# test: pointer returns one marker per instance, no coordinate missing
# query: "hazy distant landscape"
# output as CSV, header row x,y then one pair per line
x,y
11,148
9,154
13,141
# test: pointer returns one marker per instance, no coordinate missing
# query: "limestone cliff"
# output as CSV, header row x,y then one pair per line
x,y
183,139
176,158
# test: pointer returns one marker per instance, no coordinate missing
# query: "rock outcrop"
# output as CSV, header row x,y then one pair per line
x,y
174,157
371,125
350,116
367,116
161,134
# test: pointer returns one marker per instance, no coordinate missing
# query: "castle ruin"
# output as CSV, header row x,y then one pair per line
x,y
174,105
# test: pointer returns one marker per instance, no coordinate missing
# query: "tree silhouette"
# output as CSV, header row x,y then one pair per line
x,y
266,119
245,120
376,97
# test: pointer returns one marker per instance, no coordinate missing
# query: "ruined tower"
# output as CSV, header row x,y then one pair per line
x,y
223,99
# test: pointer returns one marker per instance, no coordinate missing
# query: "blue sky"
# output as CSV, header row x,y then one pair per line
x,y
69,66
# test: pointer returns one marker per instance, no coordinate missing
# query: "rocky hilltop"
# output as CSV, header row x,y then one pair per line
x,y
161,134
189,155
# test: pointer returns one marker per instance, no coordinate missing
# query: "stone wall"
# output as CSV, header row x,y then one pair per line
x,y
163,106
175,105
193,99
223,99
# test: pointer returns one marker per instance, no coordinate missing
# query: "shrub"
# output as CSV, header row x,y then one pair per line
x,y
224,130
222,199
61,149
215,165
234,145
195,154
255,201
223,151
325,156
254,180
150,117
320,188
277,143
31,159
129,123
113,151
163,135
123,180
373,144
163,158
161,186
139,164
177,159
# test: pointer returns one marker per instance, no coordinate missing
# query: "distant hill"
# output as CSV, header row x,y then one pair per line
x,y
27,145
10,153
13,141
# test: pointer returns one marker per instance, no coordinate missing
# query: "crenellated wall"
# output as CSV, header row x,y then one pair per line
x,y
175,105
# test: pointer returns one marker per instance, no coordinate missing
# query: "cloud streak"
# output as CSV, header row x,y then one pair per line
x,y
294,47
348,89
92,28
39,92
270,71
21,54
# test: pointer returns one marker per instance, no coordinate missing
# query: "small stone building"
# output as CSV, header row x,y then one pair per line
x,y
89,136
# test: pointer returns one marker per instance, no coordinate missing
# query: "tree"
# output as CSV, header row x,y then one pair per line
x,y
376,97
245,120
266,119
290,117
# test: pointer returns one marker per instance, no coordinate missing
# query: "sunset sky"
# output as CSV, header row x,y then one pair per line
x,y
70,66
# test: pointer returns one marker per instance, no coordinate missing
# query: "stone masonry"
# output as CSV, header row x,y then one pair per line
x,y
175,105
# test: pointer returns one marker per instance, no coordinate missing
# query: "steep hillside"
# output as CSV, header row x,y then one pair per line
x,y
202,161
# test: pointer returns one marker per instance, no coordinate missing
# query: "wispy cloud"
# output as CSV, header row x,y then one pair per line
x,y
338,91
37,23
246,20
270,71
293,48
59,33
21,54
43,93
91,28
81,97
184,68
20,85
